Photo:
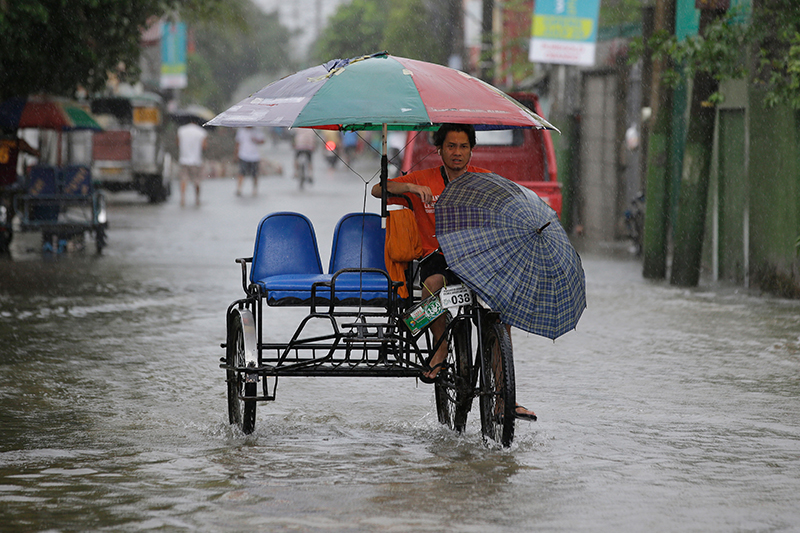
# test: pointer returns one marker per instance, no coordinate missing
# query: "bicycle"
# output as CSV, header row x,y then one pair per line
x,y
486,373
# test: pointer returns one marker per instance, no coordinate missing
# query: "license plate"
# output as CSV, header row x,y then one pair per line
x,y
455,296
421,315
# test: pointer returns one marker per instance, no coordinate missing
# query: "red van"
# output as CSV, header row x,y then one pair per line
x,y
522,155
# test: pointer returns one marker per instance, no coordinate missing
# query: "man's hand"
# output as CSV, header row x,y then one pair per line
x,y
396,187
423,191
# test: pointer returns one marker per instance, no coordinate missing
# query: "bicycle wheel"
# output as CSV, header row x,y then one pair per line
x,y
454,389
497,394
240,412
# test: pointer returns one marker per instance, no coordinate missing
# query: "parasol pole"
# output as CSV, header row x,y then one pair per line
x,y
384,175
58,151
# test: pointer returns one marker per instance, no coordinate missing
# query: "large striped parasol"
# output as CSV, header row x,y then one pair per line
x,y
367,92
379,92
46,113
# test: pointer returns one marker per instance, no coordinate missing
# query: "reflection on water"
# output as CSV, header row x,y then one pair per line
x,y
667,410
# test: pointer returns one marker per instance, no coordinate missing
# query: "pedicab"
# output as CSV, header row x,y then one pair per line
x,y
62,204
60,201
359,322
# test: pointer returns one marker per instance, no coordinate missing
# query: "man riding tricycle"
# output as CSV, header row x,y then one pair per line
x,y
505,260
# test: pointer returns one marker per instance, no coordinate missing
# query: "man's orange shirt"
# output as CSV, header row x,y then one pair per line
x,y
424,213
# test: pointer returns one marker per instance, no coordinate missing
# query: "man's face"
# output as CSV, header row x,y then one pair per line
x,y
456,151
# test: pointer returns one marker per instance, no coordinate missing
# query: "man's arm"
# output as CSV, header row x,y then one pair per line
x,y
399,187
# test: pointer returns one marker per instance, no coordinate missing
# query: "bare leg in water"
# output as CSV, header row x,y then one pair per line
x,y
431,285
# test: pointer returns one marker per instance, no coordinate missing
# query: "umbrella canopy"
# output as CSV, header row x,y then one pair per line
x,y
366,93
192,113
379,92
507,245
45,113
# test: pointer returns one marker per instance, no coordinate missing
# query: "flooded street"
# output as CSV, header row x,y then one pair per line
x,y
667,410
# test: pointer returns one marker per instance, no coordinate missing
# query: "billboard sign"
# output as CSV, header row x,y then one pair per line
x,y
173,55
564,32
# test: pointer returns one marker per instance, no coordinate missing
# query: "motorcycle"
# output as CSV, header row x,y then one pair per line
x,y
634,223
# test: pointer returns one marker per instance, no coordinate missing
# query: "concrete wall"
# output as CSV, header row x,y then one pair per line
x,y
726,248
774,177
754,201
599,190
732,196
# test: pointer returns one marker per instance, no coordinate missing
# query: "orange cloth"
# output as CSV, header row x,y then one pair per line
x,y
424,213
9,152
402,246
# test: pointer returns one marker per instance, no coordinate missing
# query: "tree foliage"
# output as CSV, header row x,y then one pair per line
x,y
223,59
620,12
408,28
720,52
354,29
772,34
55,46
412,31
776,31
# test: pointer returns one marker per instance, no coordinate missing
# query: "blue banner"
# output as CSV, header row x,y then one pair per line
x,y
173,55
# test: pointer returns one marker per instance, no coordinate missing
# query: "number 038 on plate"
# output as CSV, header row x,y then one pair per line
x,y
455,296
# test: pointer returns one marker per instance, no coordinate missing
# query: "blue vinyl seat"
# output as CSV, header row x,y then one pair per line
x,y
42,183
76,180
358,243
286,260
287,267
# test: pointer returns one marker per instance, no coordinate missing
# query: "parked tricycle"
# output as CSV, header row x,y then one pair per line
x,y
62,204
58,200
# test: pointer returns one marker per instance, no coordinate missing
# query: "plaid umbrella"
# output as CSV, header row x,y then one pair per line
x,y
508,246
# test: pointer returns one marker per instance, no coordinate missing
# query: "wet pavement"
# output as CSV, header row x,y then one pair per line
x,y
667,410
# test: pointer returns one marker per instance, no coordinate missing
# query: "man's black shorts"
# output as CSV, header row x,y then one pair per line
x,y
435,263
298,153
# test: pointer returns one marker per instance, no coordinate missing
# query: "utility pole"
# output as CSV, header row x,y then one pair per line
x,y
695,175
659,163
487,42
456,58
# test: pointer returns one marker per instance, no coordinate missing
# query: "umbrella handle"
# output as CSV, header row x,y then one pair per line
x,y
384,177
540,230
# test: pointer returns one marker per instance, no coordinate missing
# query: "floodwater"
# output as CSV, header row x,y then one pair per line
x,y
667,410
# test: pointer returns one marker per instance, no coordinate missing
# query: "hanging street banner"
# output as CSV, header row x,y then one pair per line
x,y
173,55
564,32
